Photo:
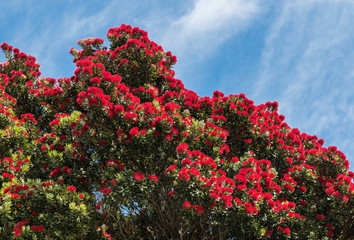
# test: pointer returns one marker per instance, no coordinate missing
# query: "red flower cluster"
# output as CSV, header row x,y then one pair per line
x,y
106,191
71,188
94,97
37,228
138,176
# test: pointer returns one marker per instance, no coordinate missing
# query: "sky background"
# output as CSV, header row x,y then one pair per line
x,y
299,53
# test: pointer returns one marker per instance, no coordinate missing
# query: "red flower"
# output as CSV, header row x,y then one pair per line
x,y
54,122
267,196
16,196
186,161
95,80
183,176
71,188
268,233
329,191
288,186
249,210
5,175
198,209
187,205
238,201
168,137
241,187
329,226
347,179
66,170
5,47
182,147
227,204
291,205
87,70
344,198
171,168
330,233
271,203
286,231
101,143
134,132
43,148
17,232
153,178
72,125
248,141
138,176
37,228
105,191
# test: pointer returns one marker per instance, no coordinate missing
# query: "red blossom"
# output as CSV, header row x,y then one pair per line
x,y
329,191
134,132
54,122
286,231
138,176
268,233
38,228
182,147
17,232
198,209
71,188
106,191
187,205
182,175
186,161
171,168
153,178
249,210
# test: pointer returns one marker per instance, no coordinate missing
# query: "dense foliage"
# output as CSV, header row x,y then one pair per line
x,y
121,150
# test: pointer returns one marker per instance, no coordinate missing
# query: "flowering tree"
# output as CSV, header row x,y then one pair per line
x,y
121,150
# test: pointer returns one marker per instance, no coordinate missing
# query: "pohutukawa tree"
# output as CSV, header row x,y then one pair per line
x,y
121,150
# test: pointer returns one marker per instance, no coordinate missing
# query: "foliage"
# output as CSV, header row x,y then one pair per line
x,y
121,150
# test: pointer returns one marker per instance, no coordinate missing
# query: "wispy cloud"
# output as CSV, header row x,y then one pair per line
x,y
307,68
196,35
209,23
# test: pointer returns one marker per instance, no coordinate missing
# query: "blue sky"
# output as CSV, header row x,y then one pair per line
x,y
299,53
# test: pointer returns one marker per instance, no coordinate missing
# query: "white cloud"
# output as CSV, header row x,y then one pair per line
x,y
307,67
209,24
201,30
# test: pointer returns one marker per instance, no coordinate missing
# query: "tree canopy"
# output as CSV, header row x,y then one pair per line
x,y
122,150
